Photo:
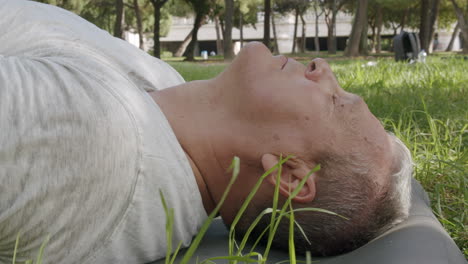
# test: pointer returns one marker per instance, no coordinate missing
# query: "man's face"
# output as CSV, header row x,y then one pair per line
x,y
304,110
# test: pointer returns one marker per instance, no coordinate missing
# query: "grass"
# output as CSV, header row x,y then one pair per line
x,y
426,105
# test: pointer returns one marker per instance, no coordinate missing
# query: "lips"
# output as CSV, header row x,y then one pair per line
x,y
286,62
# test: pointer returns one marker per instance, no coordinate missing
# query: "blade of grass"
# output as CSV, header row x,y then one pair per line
x,y
16,248
174,255
251,228
246,258
292,250
169,224
276,196
249,199
283,209
41,250
308,257
310,209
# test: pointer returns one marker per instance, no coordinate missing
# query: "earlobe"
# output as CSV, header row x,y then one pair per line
x,y
292,173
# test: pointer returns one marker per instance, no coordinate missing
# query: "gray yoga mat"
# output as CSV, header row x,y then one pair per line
x,y
419,239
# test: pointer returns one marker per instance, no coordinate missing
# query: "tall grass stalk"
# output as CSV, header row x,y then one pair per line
x,y
277,167
40,254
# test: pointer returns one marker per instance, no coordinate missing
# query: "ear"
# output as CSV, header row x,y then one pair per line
x,y
292,172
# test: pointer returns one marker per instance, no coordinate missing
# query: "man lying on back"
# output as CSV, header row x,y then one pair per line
x,y
89,136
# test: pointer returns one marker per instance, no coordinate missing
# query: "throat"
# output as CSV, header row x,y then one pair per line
x,y
208,201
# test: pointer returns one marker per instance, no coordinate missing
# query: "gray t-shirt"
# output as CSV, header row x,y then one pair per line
x,y
84,150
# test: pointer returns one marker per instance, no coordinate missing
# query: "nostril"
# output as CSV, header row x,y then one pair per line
x,y
312,66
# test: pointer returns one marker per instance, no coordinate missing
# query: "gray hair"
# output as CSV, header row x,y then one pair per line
x,y
348,190
401,180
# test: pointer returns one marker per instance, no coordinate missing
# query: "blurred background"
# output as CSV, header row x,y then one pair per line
x,y
217,29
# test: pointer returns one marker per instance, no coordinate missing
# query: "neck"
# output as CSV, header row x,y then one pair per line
x,y
192,111
211,135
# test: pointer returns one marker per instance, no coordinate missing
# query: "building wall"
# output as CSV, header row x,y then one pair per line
x,y
181,27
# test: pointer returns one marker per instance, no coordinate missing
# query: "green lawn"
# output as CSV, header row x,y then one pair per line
x,y
426,105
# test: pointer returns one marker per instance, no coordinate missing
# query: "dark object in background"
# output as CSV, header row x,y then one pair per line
x,y
406,46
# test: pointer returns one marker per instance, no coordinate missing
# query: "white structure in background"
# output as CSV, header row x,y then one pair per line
x,y
133,38
181,26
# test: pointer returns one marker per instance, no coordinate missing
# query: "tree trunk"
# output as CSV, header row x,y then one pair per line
x,y
156,31
139,24
191,46
303,37
425,26
403,20
332,32
183,46
316,38
363,45
229,11
221,23
119,19
219,44
378,22
296,21
463,25
266,23
241,29
433,19
275,37
360,20
452,39
373,38
157,5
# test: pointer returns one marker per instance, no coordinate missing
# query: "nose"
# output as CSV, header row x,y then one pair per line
x,y
319,69
256,47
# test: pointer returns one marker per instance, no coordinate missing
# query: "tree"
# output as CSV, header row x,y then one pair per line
x,y
296,19
228,19
157,5
302,47
266,23
331,8
358,39
201,9
102,13
316,6
462,16
299,7
136,6
181,8
245,12
219,44
397,14
452,39
429,13
119,19
183,46
275,36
